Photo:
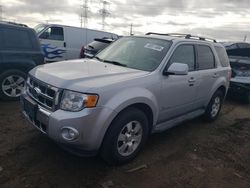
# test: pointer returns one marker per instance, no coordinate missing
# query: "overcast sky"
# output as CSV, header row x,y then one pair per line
x,y
220,19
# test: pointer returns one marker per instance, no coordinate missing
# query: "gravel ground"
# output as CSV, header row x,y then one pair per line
x,y
194,154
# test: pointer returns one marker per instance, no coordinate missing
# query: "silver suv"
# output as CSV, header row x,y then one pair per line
x,y
137,86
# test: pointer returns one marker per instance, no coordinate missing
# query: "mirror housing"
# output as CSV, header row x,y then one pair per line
x,y
176,69
44,35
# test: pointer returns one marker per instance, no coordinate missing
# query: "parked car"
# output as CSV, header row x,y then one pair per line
x,y
136,86
91,49
239,56
61,42
20,51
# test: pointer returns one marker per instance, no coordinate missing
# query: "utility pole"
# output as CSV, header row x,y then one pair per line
x,y
104,12
1,13
131,29
84,13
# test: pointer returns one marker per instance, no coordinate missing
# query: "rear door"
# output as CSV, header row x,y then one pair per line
x,y
207,67
53,44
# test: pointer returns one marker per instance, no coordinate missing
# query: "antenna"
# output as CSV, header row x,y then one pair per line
x,y
104,12
84,13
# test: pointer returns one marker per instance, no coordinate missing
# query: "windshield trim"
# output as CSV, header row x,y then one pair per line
x,y
145,37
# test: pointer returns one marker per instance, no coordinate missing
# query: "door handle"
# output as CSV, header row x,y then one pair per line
x,y
191,80
64,44
215,75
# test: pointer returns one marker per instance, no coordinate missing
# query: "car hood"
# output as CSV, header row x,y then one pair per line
x,y
83,75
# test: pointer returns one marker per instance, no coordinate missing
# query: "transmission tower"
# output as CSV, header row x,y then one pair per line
x,y
104,12
84,13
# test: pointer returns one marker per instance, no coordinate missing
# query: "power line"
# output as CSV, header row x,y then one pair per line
x,y
104,12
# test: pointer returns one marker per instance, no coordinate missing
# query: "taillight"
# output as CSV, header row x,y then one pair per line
x,y
82,52
230,74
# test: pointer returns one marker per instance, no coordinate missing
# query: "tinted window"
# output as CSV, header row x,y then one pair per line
x,y
95,45
53,33
184,54
222,56
15,39
137,52
205,57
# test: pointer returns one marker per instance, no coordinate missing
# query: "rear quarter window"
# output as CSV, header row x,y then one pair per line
x,y
222,54
15,39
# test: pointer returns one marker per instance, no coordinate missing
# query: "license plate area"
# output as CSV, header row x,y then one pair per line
x,y
30,107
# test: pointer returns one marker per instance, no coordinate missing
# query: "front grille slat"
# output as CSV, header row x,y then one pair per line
x,y
43,93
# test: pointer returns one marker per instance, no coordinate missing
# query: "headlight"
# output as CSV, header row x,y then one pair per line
x,y
74,101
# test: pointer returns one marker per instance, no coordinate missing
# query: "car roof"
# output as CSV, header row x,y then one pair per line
x,y
235,45
13,24
182,37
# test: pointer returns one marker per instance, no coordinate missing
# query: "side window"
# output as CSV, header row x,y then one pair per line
x,y
184,54
205,57
16,39
53,33
222,54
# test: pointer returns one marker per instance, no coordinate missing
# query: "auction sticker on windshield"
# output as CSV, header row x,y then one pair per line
x,y
154,47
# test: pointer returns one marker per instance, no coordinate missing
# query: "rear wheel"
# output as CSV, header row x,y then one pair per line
x,y
11,84
125,137
214,106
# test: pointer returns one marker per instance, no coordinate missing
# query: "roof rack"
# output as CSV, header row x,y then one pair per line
x,y
186,36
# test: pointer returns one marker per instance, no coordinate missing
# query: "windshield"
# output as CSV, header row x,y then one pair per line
x,y
136,52
39,28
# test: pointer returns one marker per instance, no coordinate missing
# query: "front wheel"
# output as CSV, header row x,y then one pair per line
x,y
11,84
214,106
125,137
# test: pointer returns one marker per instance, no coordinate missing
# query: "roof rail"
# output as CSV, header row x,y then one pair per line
x,y
186,36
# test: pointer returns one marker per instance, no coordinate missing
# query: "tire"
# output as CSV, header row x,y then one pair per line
x,y
214,106
120,144
11,84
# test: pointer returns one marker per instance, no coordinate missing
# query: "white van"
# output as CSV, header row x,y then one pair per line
x,y
61,42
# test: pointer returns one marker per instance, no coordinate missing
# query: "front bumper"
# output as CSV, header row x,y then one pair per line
x,y
90,123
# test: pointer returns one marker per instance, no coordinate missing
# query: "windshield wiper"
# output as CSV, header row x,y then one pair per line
x,y
98,58
91,46
114,63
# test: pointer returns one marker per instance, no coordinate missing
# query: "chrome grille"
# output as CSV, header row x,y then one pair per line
x,y
43,93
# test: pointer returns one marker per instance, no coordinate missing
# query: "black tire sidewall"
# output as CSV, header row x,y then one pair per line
x,y
208,115
6,74
109,149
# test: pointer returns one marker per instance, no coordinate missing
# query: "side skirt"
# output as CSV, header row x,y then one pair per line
x,y
173,122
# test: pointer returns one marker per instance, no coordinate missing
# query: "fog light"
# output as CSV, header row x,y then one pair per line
x,y
69,133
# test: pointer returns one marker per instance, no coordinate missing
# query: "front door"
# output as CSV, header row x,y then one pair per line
x,y
179,92
53,44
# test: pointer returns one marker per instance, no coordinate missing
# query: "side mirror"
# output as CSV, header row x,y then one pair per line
x,y
177,69
44,35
